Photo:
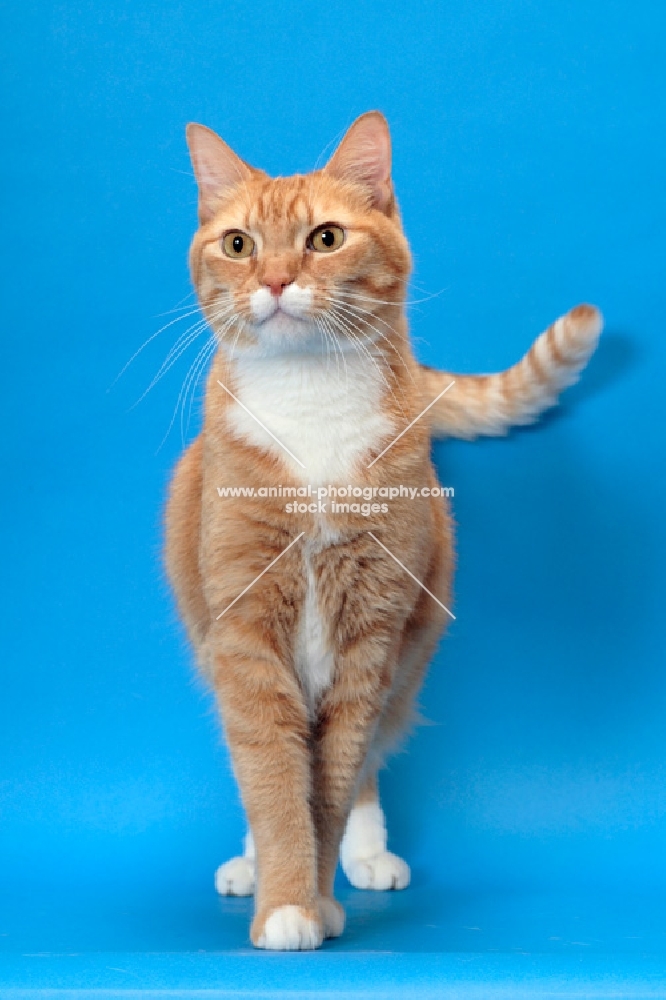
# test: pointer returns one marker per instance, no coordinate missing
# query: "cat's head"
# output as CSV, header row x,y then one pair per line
x,y
284,264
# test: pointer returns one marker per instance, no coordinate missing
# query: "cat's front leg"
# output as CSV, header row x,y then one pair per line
x,y
347,720
267,730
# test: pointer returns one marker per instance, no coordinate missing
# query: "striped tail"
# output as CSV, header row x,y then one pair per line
x,y
491,404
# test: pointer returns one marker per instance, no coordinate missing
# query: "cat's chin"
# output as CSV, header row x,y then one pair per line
x,y
285,334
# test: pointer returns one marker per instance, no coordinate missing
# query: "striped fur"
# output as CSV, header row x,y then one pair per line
x,y
491,404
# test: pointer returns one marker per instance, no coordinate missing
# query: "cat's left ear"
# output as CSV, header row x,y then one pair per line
x,y
364,157
216,167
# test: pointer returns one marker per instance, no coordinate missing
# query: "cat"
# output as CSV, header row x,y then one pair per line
x,y
315,628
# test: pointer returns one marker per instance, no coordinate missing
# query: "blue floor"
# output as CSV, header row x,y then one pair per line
x,y
431,940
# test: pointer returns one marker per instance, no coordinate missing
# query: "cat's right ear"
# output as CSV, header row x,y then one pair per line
x,y
216,168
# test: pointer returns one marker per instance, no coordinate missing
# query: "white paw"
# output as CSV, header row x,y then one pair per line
x,y
381,871
236,877
333,917
289,929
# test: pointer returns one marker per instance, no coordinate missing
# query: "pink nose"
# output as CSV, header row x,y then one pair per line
x,y
277,285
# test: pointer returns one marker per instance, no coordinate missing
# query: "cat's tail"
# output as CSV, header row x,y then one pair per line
x,y
491,404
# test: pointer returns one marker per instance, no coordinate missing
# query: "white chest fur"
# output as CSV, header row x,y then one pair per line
x,y
329,416
326,413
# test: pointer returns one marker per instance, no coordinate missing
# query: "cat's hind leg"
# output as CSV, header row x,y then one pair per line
x,y
363,852
237,877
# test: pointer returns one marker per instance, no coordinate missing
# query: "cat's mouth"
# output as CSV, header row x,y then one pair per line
x,y
283,322
281,308
282,326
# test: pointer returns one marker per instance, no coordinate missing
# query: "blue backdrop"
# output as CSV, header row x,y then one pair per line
x,y
530,153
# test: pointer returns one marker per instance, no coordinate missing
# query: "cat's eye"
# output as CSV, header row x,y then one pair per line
x,y
327,238
237,244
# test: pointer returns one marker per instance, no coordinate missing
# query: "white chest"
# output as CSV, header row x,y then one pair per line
x,y
327,415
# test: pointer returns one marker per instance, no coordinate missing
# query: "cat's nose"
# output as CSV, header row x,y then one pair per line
x,y
277,285
275,275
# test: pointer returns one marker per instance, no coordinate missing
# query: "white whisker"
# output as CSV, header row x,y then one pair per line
x,y
204,355
149,340
328,338
182,389
326,320
398,304
179,305
359,314
345,326
176,352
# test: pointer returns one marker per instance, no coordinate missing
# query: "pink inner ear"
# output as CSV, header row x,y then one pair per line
x,y
364,157
216,167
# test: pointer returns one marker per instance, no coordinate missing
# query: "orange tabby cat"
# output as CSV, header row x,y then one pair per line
x,y
316,664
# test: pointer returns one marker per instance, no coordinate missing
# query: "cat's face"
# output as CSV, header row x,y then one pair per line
x,y
288,264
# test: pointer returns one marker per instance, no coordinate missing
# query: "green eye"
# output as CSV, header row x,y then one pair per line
x,y
325,239
237,244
